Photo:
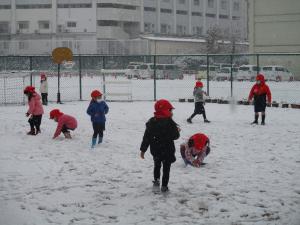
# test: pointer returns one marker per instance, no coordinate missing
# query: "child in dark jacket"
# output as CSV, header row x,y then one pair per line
x,y
97,110
160,133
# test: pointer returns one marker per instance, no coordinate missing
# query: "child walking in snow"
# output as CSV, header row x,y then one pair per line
x,y
199,102
44,89
65,123
160,133
35,111
261,93
97,110
195,150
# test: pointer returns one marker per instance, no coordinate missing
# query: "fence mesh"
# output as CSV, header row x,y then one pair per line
x,y
150,77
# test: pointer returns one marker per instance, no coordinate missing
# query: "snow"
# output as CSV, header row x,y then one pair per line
x,y
251,176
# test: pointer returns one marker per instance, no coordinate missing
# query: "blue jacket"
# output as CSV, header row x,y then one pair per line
x,y
97,111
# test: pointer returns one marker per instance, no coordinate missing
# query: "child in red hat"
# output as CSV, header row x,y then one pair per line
x,y
97,110
160,133
65,123
199,102
44,88
195,150
35,111
262,94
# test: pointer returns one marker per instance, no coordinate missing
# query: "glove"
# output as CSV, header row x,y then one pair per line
x,y
196,163
27,114
142,155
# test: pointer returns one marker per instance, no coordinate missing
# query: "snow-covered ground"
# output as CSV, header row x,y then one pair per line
x,y
252,175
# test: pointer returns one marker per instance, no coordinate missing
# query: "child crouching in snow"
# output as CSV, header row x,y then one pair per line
x,y
160,133
97,110
195,150
64,123
35,111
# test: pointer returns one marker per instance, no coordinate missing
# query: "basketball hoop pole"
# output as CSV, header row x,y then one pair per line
x,y
58,83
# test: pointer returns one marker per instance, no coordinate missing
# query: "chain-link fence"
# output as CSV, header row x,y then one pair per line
x,y
150,77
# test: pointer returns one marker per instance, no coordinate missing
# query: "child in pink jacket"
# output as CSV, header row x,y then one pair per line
x,y
35,111
64,123
195,150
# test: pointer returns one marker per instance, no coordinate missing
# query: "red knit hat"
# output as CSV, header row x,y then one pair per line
x,y
261,78
43,76
55,113
163,109
199,140
29,89
96,94
198,84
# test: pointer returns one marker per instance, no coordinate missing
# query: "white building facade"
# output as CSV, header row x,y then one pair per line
x,y
37,26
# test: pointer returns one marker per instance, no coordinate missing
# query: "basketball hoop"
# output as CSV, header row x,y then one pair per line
x,y
68,64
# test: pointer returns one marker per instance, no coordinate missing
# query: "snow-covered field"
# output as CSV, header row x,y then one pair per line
x,y
252,175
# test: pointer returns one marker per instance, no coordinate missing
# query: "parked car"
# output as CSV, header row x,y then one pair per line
x,y
202,72
247,72
132,71
277,73
225,74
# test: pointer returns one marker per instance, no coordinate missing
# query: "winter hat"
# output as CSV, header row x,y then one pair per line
x,y
55,113
43,76
29,89
163,109
96,94
199,141
261,78
198,84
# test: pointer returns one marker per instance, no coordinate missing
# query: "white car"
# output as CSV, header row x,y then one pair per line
x,y
132,71
247,72
225,74
277,73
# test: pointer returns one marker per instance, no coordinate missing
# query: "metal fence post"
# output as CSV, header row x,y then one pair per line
x,y
257,64
231,75
58,83
154,77
103,77
207,73
80,79
30,69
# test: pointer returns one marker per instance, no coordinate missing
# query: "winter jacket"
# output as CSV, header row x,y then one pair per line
x,y
160,135
198,94
192,155
260,92
69,121
97,111
35,105
44,86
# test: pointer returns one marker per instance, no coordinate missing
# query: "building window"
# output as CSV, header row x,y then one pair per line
x,y
23,25
165,10
34,6
181,1
223,16
210,3
197,31
44,24
116,6
74,5
165,28
181,30
211,15
4,27
5,6
236,6
71,24
196,2
23,45
149,9
107,23
235,17
224,4
196,14
181,12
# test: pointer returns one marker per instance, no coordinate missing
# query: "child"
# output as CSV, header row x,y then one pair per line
x,y
97,110
65,123
195,150
199,102
35,111
44,89
261,92
160,133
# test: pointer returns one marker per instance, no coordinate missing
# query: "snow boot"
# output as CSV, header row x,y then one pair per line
x,y
255,120
189,120
206,121
31,132
164,189
100,140
94,140
263,117
156,183
67,135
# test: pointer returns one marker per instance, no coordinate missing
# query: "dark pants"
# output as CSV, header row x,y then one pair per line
x,y
199,109
45,98
65,129
35,122
166,171
98,129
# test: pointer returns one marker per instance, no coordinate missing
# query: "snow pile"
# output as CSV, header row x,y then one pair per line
x,y
251,176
